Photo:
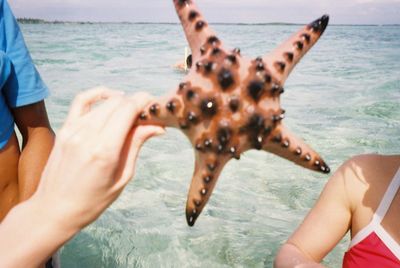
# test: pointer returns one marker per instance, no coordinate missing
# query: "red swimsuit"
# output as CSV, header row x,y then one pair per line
x,y
373,247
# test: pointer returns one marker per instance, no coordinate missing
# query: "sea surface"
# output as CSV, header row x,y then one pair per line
x,y
343,99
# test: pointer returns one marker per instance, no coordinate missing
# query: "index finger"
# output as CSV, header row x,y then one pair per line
x,y
85,100
122,120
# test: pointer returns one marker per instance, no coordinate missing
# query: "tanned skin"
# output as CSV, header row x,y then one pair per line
x,y
9,157
21,168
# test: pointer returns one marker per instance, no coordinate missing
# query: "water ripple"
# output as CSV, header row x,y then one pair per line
x,y
343,99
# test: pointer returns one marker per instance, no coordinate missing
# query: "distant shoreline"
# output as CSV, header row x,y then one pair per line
x,y
41,21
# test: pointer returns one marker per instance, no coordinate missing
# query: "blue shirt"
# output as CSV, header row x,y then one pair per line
x,y
20,82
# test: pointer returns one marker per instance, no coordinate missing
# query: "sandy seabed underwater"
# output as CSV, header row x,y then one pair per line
x,y
343,99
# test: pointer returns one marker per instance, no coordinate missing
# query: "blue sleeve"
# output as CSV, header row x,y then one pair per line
x,y
6,119
24,85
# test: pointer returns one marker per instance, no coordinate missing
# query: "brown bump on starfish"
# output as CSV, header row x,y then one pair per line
x,y
190,94
199,64
280,66
277,90
215,51
182,3
213,40
200,24
225,78
298,151
192,118
171,106
197,203
255,131
209,107
235,153
191,219
256,90
267,131
260,66
143,116
203,191
224,135
211,166
255,124
258,143
234,104
183,124
299,45
208,143
306,37
199,147
193,15
286,143
202,51
207,179
325,169
182,86
277,118
267,78
231,58
236,51
154,109
209,67
277,138
289,56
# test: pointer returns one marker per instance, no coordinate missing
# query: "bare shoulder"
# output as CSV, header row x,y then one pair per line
x,y
371,168
367,176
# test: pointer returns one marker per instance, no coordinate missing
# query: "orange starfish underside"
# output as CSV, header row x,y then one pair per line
x,y
228,104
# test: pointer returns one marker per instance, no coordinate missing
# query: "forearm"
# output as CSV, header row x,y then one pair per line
x,y
290,256
36,150
29,235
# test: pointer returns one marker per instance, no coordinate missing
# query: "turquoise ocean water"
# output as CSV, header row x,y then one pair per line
x,y
343,99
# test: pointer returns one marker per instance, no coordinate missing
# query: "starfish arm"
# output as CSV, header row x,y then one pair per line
x,y
283,59
164,111
208,167
196,29
285,144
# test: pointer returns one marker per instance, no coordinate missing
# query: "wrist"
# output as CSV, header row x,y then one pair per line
x,y
30,234
49,214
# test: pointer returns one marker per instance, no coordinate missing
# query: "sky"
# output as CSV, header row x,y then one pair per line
x,y
229,11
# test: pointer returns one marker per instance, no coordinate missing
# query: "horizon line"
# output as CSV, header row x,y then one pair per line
x,y
25,20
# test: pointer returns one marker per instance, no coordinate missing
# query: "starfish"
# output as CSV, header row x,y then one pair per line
x,y
228,104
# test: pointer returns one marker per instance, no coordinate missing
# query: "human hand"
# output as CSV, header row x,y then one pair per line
x,y
94,156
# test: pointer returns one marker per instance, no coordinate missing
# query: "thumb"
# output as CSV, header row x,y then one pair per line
x,y
142,133
136,138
